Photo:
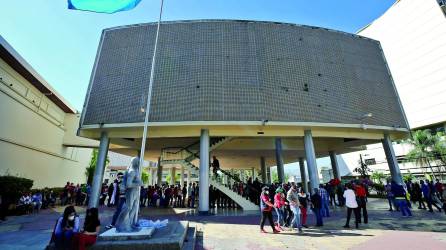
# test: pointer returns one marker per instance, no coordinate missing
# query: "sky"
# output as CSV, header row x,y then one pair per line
x,y
61,44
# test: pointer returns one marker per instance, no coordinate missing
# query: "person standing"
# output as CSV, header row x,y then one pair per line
x,y
121,201
325,200
215,165
279,203
352,206
316,207
443,195
400,199
303,200
266,208
427,195
389,195
184,192
293,200
361,196
418,195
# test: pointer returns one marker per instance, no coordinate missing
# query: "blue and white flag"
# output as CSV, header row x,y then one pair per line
x,y
103,6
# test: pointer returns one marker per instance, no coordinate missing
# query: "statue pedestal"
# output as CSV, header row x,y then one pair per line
x,y
171,237
111,235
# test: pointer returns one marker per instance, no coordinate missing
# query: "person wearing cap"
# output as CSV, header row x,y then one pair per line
x,y
293,199
279,203
266,208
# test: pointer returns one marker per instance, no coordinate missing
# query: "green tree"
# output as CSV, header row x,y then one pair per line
x,y
145,175
275,177
378,177
169,177
408,177
422,153
89,171
439,150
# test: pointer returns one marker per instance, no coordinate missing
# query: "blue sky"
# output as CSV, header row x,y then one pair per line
x,y
61,44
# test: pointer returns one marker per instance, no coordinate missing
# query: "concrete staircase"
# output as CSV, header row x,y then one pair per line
x,y
240,200
185,156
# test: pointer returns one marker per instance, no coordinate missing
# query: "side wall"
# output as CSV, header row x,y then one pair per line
x,y
32,131
413,36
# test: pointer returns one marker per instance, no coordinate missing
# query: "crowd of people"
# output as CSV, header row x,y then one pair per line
x,y
426,194
162,196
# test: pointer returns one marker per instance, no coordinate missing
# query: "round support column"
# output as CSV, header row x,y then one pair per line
x,y
310,154
203,202
303,174
263,169
99,170
391,160
279,160
334,165
159,173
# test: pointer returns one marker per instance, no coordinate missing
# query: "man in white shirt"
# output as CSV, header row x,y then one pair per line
x,y
351,204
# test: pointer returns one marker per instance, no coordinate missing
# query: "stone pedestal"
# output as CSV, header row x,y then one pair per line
x,y
112,235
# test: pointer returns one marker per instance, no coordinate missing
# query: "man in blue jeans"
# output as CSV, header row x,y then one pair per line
x,y
400,199
325,201
293,199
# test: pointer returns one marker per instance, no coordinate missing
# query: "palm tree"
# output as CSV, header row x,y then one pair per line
x,y
422,153
439,150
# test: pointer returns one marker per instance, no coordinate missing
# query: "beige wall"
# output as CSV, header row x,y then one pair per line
x,y
32,132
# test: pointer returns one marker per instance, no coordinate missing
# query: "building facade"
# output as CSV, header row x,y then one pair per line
x,y
412,34
253,94
37,127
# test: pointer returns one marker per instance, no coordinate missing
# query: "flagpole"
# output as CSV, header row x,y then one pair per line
x,y
149,97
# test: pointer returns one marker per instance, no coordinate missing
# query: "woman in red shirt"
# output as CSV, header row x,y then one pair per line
x,y
266,207
279,203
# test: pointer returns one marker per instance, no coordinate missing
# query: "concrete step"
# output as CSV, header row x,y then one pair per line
x,y
241,201
189,241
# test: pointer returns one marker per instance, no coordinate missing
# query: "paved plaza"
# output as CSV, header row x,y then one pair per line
x,y
233,229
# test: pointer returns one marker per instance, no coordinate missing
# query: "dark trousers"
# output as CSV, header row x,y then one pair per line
x,y
362,207
121,203
421,204
349,214
267,215
318,214
288,215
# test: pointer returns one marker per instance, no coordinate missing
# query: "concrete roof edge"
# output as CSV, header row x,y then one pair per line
x,y
240,21
67,107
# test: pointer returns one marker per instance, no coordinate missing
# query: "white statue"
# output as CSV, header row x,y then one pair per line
x,y
127,219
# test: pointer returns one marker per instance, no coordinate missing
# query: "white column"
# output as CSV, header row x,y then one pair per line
x,y
188,177
182,177
159,173
391,160
279,160
172,176
334,165
263,169
203,202
99,170
311,161
303,174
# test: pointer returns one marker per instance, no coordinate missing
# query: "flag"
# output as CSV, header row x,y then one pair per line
x,y
103,6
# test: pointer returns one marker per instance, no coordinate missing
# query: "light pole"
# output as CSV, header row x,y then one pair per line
x,y
149,97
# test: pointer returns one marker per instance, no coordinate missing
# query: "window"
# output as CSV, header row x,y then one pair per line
x,y
370,161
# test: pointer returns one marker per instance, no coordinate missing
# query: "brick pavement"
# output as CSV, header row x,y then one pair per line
x,y
233,229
